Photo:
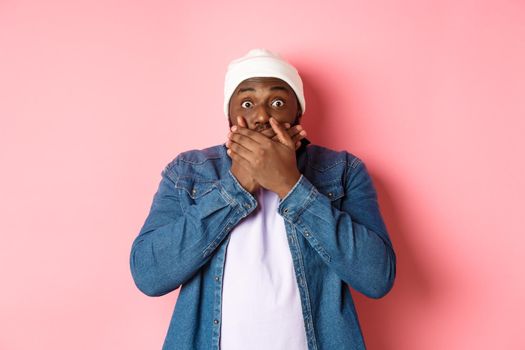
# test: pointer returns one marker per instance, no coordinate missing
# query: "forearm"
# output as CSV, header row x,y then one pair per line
x,y
163,258
357,248
177,240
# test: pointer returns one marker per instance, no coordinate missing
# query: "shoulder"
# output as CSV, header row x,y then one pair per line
x,y
188,161
199,156
323,158
331,171
338,173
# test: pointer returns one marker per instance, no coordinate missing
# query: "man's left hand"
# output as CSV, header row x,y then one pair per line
x,y
271,163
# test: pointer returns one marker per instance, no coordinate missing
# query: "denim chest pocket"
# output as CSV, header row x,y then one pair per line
x,y
327,177
195,188
333,190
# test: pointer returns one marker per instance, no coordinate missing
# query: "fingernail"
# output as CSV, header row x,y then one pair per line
x,y
303,133
229,134
299,127
234,127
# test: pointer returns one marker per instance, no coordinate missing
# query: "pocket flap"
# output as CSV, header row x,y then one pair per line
x,y
332,190
195,187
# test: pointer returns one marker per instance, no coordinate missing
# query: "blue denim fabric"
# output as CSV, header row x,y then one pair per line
x,y
336,235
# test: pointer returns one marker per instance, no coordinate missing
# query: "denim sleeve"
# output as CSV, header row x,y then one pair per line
x,y
353,241
174,243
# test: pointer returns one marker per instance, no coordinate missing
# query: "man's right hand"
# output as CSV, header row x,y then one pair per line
x,y
296,133
248,183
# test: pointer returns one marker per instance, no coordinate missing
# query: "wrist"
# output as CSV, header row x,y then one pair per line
x,y
288,185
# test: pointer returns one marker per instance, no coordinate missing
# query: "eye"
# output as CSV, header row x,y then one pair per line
x,y
246,104
278,103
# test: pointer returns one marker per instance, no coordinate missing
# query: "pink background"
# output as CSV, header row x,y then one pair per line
x,y
97,96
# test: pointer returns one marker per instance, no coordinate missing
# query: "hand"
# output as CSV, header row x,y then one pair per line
x,y
244,178
296,133
271,164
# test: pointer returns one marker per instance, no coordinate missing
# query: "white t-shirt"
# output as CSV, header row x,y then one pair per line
x,y
261,307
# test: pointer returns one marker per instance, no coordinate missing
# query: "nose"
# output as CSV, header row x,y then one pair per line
x,y
261,118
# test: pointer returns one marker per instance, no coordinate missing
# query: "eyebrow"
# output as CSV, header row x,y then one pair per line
x,y
276,87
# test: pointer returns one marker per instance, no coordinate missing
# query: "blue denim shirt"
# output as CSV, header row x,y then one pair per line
x,y
335,230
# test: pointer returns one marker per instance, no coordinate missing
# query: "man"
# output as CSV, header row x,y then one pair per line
x,y
266,232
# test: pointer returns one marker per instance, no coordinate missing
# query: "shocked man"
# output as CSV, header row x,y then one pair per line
x,y
265,232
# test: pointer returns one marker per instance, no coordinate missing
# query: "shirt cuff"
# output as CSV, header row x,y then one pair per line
x,y
302,194
236,195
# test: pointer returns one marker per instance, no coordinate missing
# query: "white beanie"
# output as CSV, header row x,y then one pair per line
x,y
261,63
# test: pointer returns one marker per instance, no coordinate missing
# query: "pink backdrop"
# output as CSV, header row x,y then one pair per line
x,y
97,96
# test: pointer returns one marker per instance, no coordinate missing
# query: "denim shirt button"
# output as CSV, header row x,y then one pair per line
x,y
216,278
330,194
307,234
247,205
193,191
286,210
215,321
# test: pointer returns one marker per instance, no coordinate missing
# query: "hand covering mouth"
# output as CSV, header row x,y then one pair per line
x,y
266,130
263,127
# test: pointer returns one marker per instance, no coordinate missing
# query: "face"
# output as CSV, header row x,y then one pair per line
x,y
258,99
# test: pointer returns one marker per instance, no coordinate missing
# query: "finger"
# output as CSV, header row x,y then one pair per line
x,y
283,136
239,159
296,138
241,150
254,135
293,134
233,138
299,136
293,131
245,141
289,130
241,139
241,121
227,139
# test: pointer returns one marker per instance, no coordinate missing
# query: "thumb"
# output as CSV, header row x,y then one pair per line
x,y
282,135
241,121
